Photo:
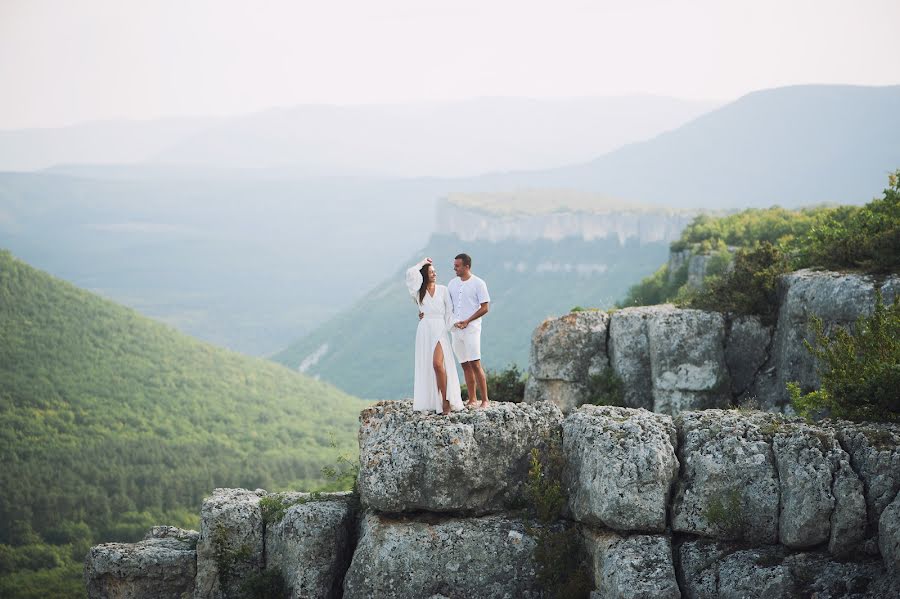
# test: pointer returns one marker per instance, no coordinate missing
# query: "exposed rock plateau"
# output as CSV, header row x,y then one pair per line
x,y
714,503
670,359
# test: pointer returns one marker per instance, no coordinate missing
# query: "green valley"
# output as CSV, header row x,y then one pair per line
x,y
111,422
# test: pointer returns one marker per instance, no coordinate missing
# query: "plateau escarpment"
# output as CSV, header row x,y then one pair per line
x,y
714,503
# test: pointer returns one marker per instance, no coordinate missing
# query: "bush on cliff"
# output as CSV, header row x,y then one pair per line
x,y
748,288
503,385
859,370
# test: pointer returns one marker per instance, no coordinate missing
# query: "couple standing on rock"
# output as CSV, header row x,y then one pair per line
x,y
455,310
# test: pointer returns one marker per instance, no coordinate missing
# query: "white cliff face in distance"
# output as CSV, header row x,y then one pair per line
x,y
555,215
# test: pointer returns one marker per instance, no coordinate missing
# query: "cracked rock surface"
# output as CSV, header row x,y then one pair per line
x,y
473,461
621,467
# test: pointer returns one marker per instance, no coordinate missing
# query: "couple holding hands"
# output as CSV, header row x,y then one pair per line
x,y
449,323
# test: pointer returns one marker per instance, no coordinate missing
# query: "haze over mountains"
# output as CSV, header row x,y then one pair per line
x,y
257,258
418,139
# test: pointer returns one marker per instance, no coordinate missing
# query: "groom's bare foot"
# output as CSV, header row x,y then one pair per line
x,y
485,403
472,403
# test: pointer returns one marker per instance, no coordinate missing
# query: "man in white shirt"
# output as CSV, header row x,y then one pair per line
x,y
469,295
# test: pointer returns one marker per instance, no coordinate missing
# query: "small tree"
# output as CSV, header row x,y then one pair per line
x,y
860,371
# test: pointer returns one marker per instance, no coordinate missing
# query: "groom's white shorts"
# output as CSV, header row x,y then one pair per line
x,y
466,344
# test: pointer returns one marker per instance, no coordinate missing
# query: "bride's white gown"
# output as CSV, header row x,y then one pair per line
x,y
433,329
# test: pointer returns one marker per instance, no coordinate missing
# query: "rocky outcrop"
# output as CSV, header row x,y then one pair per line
x,y
414,557
711,503
729,485
566,352
230,547
631,567
160,567
312,543
621,467
718,570
671,360
474,461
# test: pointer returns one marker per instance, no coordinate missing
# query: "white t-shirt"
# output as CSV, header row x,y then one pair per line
x,y
467,297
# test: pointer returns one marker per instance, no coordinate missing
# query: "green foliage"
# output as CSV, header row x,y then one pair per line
x,y
111,423
750,287
505,385
606,389
859,370
866,237
725,513
774,241
657,288
561,569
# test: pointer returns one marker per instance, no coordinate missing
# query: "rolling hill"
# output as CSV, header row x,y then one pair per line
x,y
111,422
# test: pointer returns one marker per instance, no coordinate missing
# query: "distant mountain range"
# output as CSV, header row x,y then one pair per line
x,y
256,258
443,139
789,146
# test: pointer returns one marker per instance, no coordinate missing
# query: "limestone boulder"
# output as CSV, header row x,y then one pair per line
x,y
563,348
821,496
631,567
473,461
838,299
427,556
629,352
230,546
728,488
312,543
154,568
620,467
874,450
717,570
889,536
746,350
687,361
564,394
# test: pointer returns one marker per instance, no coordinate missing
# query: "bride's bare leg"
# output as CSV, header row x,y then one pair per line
x,y
440,374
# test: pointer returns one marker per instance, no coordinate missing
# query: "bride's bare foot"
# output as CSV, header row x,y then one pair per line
x,y
446,407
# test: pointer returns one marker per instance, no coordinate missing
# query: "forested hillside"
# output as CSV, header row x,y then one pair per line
x,y
111,422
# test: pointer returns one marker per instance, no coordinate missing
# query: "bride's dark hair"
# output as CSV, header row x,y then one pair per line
x,y
424,287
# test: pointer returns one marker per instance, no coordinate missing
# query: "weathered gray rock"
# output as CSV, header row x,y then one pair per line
x,y
491,556
562,348
621,465
836,298
687,361
631,567
230,547
821,497
697,267
746,350
717,570
629,352
150,569
312,544
874,450
889,536
474,461
729,485
565,395
565,352
173,532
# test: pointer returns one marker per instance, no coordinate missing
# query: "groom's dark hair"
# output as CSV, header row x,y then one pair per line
x,y
466,260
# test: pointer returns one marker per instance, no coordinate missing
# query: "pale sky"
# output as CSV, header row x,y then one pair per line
x,y
64,62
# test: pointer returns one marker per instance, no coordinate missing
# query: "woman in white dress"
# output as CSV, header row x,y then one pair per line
x,y
436,381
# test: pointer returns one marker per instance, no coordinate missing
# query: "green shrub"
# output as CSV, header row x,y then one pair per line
x,y
859,370
606,389
561,569
750,287
505,385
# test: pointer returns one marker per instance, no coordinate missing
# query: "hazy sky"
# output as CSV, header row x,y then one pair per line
x,y
64,62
